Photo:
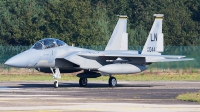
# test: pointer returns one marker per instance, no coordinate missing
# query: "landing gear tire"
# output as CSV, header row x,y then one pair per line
x,y
83,82
112,82
55,84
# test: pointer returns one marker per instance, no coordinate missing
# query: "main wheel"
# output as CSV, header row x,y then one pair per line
x,y
55,84
83,82
112,82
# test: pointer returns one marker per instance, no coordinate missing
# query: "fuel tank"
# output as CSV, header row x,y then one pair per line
x,y
121,69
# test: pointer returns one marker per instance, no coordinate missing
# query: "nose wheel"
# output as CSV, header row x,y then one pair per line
x,y
83,82
112,81
55,84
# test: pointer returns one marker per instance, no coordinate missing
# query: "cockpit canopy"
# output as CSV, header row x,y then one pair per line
x,y
48,43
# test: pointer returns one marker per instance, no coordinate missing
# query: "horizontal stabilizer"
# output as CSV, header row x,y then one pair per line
x,y
182,59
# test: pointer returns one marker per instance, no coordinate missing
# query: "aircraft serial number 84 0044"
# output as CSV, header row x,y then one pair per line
x,y
51,55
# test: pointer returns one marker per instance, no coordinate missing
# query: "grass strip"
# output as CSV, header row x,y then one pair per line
x,y
135,77
192,97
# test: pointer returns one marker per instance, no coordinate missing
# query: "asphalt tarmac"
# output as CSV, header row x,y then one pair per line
x,y
97,96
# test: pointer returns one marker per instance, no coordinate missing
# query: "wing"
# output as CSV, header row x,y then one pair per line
x,y
128,54
123,54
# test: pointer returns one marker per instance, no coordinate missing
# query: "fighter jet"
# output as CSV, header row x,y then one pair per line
x,y
51,55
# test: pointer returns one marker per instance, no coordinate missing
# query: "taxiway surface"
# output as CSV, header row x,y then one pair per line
x,y
97,96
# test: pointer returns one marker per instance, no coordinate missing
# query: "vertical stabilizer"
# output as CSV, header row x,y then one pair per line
x,y
119,37
154,43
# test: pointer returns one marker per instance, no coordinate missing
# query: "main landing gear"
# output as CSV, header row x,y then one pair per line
x,y
112,81
83,82
56,75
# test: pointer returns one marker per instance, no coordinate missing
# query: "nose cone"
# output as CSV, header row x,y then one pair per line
x,y
25,59
17,61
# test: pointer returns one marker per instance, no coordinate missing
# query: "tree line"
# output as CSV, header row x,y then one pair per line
x,y
91,22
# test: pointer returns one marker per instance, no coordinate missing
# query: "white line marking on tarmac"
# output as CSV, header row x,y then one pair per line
x,y
28,95
111,107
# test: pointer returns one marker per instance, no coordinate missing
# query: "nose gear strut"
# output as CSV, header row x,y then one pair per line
x,y
56,75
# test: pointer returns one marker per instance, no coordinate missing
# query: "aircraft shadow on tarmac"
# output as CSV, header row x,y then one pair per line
x,y
90,85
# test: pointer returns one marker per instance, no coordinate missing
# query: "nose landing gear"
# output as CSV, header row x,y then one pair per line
x,y
55,84
56,75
